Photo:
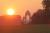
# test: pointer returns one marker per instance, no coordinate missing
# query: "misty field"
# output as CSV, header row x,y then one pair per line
x,y
32,28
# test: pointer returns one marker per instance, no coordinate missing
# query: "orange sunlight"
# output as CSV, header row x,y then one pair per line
x,y
10,12
21,5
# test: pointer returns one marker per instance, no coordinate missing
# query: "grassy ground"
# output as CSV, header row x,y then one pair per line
x,y
32,28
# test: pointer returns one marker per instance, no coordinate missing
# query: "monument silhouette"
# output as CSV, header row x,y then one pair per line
x,y
27,17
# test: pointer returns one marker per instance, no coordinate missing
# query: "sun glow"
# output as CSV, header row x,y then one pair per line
x,y
10,11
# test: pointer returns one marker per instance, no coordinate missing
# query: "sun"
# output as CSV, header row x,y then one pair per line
x,y
10,11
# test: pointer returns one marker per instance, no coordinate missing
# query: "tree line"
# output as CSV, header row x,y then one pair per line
x,y
42,16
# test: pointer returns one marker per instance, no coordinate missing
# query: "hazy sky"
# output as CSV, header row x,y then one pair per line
x,y
21,6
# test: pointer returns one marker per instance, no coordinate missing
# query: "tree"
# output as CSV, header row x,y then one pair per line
x,y
37,17
42,16
46,4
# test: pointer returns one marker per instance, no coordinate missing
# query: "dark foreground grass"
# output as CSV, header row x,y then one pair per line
x,y
32,28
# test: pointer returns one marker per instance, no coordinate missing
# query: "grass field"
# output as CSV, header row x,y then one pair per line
x,y
32,28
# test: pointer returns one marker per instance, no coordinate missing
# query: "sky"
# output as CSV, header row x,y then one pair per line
x,y
21,6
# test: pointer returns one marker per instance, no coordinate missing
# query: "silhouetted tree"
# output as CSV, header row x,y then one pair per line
x,y
46,5
37,17
42,16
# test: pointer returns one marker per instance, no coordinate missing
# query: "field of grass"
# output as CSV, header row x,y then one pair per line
x,y
32,28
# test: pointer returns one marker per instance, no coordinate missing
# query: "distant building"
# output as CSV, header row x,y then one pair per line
x,y
2,20
11,20
18,20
